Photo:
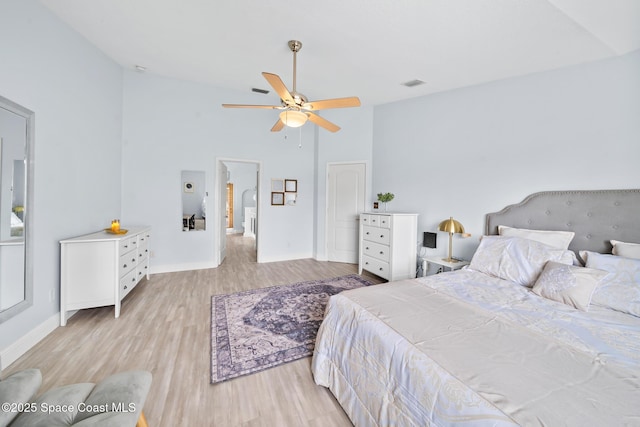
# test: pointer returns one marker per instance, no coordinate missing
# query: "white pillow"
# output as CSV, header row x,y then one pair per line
x,y
620,289
568,284
15,220
515,259
557,239
627,250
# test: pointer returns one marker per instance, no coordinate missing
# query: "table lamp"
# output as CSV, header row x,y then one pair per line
x,y
450,226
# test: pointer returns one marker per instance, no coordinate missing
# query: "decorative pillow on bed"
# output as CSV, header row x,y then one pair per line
x,y
628,250
515,259
556,239
568,284
620,289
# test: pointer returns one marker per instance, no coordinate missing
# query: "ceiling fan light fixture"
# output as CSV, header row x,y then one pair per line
x,y
293,119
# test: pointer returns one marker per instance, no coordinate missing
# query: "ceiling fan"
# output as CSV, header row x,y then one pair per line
x,y
296,109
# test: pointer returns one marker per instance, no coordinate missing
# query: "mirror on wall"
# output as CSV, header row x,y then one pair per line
x,y
16,195
194,204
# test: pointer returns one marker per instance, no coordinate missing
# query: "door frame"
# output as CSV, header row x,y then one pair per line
x,y
218,215
326,201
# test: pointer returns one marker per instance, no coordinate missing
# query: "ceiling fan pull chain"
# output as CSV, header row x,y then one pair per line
x,y
300,143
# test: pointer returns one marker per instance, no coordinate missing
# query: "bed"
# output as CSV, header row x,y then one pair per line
x,y
525,335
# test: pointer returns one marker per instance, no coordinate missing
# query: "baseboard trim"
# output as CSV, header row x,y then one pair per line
x,y
30,339
172,268
289,257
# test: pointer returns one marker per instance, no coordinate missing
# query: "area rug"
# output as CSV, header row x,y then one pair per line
x,y
258,329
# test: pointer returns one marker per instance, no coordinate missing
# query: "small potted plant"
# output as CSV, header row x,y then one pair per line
x,y
385,198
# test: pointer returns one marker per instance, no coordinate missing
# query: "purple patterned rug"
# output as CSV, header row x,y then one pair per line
x,y
258,329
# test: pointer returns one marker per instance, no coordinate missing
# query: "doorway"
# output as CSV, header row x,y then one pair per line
x,y
237,209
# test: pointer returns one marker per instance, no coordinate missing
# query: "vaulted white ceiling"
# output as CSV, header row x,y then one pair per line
x,y
364,48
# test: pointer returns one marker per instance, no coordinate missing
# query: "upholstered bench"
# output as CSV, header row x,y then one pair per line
x,y
116,401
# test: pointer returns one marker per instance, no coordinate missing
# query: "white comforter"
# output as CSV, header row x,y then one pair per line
x,y
464,348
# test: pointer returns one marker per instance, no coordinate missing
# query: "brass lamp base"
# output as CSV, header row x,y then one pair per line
x,y
452,260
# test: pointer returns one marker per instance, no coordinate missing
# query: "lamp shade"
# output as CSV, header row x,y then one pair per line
x,y
293,118
451,226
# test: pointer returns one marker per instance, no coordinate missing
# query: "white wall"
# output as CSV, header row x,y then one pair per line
x,y
76,94
475,150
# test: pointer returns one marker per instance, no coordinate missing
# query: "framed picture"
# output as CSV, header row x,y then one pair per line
x,y
277,185
291,185
277,198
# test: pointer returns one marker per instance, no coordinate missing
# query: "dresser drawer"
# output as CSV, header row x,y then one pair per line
x,y
143,248
141,269
376,250
384,221
376,234
143,240
127,245
376,266
127,283
128,262
365,219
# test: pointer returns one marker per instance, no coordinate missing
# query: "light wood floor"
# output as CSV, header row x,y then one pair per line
x,y
164,327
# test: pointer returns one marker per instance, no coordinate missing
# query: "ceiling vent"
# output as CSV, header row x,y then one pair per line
x,y
262,91
413,83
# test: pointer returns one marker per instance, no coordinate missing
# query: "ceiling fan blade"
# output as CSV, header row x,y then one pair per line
x,y
352,101
276,83
323,122
278,126
267,107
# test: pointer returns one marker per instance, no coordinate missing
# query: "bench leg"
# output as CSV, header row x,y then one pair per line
x,y
142,421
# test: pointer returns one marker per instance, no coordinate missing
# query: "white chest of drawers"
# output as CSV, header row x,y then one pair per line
x,y
100,269
388,245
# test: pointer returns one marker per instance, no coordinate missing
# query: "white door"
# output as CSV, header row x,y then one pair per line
x,y
222,212
345,201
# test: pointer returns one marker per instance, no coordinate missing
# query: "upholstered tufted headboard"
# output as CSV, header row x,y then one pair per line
x,y
595,216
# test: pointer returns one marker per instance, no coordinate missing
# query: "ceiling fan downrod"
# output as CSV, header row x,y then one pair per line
x,y
295,47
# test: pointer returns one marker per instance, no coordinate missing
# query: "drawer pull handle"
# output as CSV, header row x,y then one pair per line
x,y
367,233
381,252
125,287
133,279
367,248
382,236
133,260
126,246
366,263
124,266
380,268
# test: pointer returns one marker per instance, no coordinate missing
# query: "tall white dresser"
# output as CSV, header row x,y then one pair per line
x,y
388,245
101,268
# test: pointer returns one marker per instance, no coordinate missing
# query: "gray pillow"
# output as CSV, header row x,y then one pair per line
x,y
16,390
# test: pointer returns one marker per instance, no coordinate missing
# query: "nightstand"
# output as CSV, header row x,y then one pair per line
x,y
441,262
